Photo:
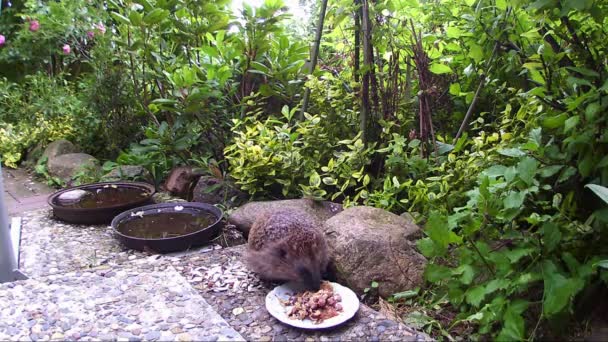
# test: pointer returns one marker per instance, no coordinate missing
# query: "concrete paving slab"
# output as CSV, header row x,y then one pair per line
x,y
131,302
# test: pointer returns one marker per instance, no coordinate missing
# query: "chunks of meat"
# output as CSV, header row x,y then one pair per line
x,y
317,306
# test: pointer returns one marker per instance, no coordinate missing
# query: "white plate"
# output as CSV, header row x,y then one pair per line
x,y
350,306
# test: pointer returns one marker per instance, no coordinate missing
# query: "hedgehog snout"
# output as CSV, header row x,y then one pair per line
x,y
311,279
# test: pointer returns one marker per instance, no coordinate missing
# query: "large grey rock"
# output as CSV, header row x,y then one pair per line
x,y
369,244
66,166
127,172
57,148
245,215
217,191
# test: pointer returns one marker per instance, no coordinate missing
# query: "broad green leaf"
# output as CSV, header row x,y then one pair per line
x,y
120,18
329,181
556,121
512,152
475,295
549,171
438,230
571,123
584,71
496,284
592,109
427,247
438,68
602,264
495,171
455,89
515,199
468,273
585,165
315,180
566,174
559,290
516,254
600,191
434,273
135,18
476,52
526,169
156,16
513,328
551,235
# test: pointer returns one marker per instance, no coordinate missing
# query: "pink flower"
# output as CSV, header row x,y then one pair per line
x,y
2,40
34,25
66,49
101,27
90,34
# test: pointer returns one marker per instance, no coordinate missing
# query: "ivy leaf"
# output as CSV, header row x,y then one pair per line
x,y
526,169
551,235
438,68
600,191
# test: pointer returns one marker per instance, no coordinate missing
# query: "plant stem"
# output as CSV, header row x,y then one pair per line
x,y
315,56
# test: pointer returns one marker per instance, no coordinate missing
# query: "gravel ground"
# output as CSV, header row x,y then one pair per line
x,y
50,246
88,286
132,302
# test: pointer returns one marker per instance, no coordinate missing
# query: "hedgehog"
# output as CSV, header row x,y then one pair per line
x,y
287,245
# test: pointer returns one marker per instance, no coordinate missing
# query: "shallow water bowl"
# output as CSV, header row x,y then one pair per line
x,y
168,227
99,203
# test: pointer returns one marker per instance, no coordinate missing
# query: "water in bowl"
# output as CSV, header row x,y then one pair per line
x,y
166,225
106,196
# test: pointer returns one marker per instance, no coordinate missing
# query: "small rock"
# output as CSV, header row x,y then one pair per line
x,y
184,337
266,339
237,311
57,336
152,335
176,330
266,330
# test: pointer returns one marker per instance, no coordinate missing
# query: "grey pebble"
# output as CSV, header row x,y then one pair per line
x,y
152,335
294,334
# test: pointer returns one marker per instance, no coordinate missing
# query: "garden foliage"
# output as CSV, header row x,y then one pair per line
x,y
485,119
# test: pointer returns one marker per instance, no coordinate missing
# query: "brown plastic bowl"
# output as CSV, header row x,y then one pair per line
x,y
103,215
170,244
